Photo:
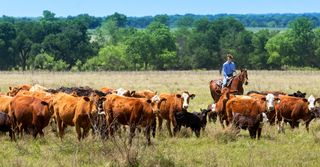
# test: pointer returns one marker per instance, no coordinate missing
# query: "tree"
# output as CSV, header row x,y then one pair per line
x,y
7,36
161,41
303,41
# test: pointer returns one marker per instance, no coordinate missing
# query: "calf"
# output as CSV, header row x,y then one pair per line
x,y
252,123
187,119
203,117
174,103
212,115
6,124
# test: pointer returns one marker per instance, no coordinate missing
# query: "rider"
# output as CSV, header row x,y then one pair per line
x,y
228,69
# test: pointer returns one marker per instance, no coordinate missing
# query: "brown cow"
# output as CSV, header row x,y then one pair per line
x,y
74,111
174,103
14,90
143,94
220,107
270,111
131,111
294,109
250,106
32,112
5,103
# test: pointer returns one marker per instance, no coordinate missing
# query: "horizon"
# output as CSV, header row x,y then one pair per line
x,y
98,8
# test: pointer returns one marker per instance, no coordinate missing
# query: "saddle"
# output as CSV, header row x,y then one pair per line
x,y
219,82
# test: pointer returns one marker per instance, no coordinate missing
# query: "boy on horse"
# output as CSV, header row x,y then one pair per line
x,y
228,69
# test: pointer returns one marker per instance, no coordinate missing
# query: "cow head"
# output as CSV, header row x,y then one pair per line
x,y
185,97
155,103
123,92
311,103
270,99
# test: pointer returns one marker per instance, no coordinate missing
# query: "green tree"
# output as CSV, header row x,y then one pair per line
x,y
7,36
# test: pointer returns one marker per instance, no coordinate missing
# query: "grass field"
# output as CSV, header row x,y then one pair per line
x,y
215,147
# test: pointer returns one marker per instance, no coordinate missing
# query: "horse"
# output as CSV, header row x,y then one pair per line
x,y
237,82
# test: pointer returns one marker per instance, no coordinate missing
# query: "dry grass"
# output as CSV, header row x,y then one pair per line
x,y
295,148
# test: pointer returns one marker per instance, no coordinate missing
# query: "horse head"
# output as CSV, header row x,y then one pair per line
x,y
243,77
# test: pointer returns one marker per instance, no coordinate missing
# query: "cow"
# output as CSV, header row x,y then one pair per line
x,y
187,119
75,111
212,115
271,101
131,111
250,106
202,116
6,124
5,103
174,103
27,111
249,112
294,109
14,90
37,87
143,94
107,90
226,94
252,123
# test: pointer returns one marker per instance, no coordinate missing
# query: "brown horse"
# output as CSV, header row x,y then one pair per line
x,y
236,84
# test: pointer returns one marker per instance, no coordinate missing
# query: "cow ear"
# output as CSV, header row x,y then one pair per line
x,y
10,88
103,99
86,98
317,100
44,103
304,94
264,99
155,92
178,95
192,96
149,101
305,100
133,93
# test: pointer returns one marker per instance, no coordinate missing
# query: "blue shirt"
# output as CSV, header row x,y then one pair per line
x,y
228,68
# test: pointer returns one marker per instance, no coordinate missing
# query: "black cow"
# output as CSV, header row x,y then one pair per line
x,y
187,119
298,94
253,124
6,125
203,117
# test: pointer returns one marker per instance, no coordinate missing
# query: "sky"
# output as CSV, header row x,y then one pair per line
x,y
34,8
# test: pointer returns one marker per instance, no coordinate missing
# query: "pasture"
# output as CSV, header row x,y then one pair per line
x,y
215,147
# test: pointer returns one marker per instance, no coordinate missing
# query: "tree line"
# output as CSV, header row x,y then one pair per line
x,y
85,42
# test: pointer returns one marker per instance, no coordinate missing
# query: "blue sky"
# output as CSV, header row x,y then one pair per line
x,y
152,7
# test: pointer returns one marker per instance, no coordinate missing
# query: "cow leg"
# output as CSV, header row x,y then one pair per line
x,y
35,132
11,134
251,132
221,121
132,132
153,128
85,132
169,128
148,135
60,128
160,123
259,132
307,125
78,130
174,123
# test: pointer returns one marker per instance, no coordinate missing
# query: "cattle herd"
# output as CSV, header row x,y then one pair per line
x,y
29,109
